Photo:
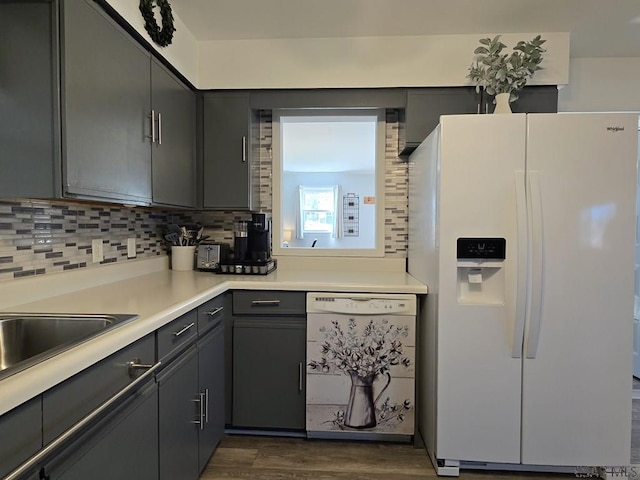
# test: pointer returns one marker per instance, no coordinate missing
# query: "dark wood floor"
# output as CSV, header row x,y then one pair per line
x,y
269,458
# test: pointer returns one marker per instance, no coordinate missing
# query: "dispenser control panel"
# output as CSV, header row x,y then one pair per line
x,y
481,248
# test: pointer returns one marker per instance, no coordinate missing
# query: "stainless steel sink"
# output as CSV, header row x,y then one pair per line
x,y
29,338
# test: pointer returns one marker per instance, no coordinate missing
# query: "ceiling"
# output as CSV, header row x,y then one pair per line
x,y
598,28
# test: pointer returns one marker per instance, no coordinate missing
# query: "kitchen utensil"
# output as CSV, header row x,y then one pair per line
x,y
173,238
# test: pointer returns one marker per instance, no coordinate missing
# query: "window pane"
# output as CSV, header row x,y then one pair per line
x,y
318,200
315,221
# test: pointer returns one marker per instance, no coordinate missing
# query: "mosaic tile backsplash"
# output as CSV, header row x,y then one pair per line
x,y
45,236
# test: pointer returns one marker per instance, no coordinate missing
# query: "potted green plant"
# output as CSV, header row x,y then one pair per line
x,y
502,74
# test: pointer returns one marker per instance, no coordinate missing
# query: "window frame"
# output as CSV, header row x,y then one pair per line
x,y
378,249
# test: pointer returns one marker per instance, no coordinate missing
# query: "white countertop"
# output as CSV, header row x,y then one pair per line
x,y
157,296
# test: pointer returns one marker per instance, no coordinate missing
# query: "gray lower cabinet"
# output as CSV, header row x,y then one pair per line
x,y
268,372
174,150
23,425
211,383
167,428
180,415
123,445
68,402
231,172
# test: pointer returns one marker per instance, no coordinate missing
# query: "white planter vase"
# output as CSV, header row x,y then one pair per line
x,y
502,103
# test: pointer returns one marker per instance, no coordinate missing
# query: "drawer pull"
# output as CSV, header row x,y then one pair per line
x,y
186,327
201,402
90,417
211,313
135,365
244,149
300,377
265,303
206,405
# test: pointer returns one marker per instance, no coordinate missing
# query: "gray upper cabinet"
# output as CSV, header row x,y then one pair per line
x,y
106,104
425,105
174,147
76,113
231,170
29,161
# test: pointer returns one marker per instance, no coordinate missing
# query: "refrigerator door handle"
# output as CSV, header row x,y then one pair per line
x,y
521,279
537,265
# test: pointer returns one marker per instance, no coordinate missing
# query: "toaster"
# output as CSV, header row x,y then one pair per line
x,y
210,255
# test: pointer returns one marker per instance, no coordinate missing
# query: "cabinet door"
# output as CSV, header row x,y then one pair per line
x,y
106,104
179,418
227,155
66,403
174,152
211,375
28,158
123,445
268,372
23,425
424,107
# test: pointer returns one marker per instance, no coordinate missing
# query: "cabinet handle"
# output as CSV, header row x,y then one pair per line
x,y
200,401
244,149
135,365
153,127
159,128
62,438
186,327
206,405
300,376
212,313
265,303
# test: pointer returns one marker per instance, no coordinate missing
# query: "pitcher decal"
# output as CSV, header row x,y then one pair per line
x,y
366,355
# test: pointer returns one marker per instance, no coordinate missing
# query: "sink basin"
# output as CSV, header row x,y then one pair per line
x,y
29,338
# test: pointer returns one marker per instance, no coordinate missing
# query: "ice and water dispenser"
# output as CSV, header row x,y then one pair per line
x,y
481,276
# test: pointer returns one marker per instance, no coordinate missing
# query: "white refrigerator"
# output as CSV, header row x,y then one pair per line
x,y
523,227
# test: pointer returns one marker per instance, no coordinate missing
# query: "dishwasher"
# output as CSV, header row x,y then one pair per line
x,y
360,366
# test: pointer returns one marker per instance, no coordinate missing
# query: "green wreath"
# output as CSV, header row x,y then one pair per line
x,y
161,37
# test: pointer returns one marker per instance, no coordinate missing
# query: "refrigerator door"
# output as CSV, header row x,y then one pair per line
x,y
478,379
576,393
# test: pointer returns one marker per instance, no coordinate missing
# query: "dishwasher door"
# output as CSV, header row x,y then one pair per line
x,y
361,367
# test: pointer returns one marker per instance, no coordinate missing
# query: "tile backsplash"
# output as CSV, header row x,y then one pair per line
x,y
45,236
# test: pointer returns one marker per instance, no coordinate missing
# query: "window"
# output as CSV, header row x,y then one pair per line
x,y
318,210
328,182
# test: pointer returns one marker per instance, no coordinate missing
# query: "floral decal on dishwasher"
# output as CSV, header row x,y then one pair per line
x,y
366,354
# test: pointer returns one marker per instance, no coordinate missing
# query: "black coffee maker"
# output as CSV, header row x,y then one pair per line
x,y
259,243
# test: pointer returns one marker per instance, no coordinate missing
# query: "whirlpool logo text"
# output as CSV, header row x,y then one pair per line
x,y
615,129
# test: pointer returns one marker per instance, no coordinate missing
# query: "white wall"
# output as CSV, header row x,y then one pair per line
x,y
393,61
601,84
183,51
400,61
